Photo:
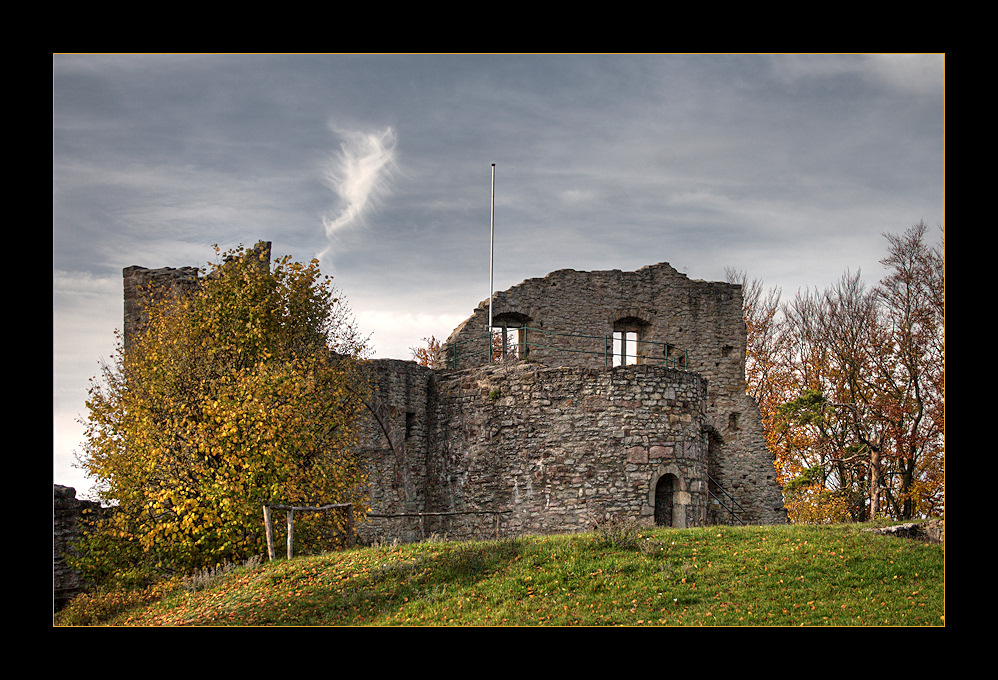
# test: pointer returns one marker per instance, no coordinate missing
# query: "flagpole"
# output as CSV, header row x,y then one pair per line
x,y
492,232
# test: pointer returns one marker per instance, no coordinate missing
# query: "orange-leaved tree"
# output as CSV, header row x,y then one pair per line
x,y
429,354
243,392
851,385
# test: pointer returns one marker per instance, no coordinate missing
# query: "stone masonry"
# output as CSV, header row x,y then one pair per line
x,y
563,432
569,318
67,513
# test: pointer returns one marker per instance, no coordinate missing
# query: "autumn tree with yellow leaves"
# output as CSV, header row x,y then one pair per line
x,y
243,392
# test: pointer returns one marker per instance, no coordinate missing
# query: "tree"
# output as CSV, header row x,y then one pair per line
x,y
429,354
851,386
912,373
505,345
765,352
243,392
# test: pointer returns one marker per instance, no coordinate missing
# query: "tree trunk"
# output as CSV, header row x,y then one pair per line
x,y
874,483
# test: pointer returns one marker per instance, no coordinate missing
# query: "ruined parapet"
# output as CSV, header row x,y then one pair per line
x,y
573,317
143,287
68,512
661,317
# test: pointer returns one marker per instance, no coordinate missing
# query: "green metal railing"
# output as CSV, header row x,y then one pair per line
x,y
483,345
726,501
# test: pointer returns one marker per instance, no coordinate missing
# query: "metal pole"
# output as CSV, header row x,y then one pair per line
x,y
492,232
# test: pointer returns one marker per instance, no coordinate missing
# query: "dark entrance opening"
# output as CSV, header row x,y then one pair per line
x,y
665,489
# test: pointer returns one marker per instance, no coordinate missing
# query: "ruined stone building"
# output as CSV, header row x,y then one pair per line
x,y
620,394
616,394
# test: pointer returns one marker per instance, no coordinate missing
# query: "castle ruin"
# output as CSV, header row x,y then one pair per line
x,y
597,394
610,393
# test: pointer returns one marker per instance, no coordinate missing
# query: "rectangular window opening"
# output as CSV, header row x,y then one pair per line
x,y
410,423
625,348
507,343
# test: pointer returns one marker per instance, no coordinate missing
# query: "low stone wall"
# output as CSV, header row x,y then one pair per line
x,y
67,510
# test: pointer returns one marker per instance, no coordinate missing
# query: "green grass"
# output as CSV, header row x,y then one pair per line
x,y
727,576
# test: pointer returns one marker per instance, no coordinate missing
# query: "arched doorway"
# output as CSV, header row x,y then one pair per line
x,y
665,492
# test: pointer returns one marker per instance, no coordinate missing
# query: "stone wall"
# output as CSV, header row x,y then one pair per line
x,y
67,512
144,286
395,442
561,436
562,447
551,449
571,317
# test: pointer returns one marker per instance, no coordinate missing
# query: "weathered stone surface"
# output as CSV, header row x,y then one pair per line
x,y
560,436
570,319
932,531
67,511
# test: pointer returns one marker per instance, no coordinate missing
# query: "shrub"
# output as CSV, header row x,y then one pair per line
x,y
618,532
101,605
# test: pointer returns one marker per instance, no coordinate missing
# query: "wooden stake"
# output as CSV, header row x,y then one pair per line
x,y
270,532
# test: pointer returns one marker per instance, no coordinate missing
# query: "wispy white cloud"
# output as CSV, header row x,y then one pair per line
x,y
360,174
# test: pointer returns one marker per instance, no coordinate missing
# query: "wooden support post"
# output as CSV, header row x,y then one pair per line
x,y
270,532
350,526
268,523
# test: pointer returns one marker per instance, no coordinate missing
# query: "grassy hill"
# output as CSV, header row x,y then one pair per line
x,y
616,576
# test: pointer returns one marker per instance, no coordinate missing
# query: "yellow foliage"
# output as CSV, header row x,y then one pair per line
x,y
815,505
244,392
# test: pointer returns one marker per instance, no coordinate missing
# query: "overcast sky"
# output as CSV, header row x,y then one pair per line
x,y
787,167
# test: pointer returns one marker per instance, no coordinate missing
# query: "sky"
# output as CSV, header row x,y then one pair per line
x,y
787,167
